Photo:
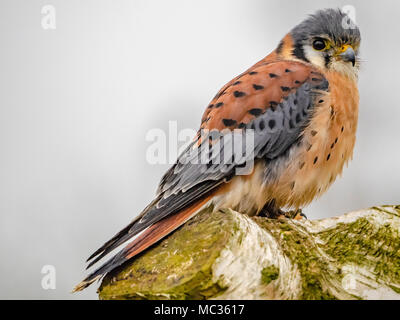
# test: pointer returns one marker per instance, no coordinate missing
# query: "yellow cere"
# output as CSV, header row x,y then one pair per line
x,y
343,48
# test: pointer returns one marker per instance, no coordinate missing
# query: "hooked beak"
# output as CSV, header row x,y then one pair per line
x,y
348,55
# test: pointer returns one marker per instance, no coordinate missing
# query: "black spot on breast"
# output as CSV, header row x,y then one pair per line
x,y
315,160
313,132
228,122
273,75
239,94
257,87
255,111
301,165
320,101
287,70
219,104
253,73
336,140
236,83
342,129
328,157
292,185
285,89
297,82
332,145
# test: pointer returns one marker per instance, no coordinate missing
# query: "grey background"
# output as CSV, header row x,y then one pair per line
x,y
76,104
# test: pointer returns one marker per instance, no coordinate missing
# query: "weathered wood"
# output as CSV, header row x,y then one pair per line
x,y
227,255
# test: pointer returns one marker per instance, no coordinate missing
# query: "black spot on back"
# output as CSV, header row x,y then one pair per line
x,y
228,122
257,87
239,94
255,111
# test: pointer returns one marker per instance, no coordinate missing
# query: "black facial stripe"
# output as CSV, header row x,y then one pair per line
x,y
299,52
280,47
327,58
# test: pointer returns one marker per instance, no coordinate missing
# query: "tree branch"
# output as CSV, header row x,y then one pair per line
x,y
227,255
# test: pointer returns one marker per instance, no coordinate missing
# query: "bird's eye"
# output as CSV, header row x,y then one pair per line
x,y
319,44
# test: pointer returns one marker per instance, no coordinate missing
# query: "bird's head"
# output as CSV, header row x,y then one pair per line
x,y
326,39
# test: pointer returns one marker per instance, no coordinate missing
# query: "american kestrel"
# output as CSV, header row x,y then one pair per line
x,y
301,104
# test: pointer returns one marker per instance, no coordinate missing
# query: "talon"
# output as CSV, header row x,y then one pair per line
x,y
299,215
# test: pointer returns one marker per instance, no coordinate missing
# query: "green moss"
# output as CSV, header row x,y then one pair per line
x,y
300,248
179,267
269,274
377,248
395,289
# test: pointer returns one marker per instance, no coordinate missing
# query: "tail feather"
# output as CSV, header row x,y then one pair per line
x,y
150,236
124,235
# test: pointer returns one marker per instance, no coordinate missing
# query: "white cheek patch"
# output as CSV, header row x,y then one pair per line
x,y
345,68
315,57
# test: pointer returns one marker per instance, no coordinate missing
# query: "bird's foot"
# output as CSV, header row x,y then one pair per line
x,y
270,210
295,214
273,212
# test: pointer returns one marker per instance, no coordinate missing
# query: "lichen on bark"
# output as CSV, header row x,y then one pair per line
x,y
227,255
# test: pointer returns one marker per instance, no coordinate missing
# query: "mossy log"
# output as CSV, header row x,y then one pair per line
x,y
227,255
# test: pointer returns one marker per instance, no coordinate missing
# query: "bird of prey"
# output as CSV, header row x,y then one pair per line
x,y
300,102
